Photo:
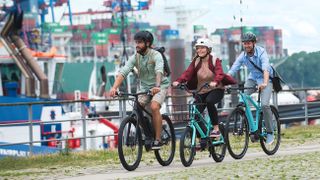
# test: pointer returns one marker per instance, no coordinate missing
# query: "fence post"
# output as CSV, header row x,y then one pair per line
x,y
305,107
84,124
30,128
275,99
124,113
167,105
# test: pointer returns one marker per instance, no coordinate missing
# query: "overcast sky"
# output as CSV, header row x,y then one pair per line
x,y
299,20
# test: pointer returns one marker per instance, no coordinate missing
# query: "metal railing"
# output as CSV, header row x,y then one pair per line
x,y
176,115
31,122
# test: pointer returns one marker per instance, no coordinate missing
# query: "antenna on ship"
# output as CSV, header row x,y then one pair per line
x,y
124,56
241,20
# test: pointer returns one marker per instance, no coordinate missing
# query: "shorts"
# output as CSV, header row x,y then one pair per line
x,y
159,98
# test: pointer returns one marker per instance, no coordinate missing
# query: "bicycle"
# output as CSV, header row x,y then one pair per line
x,y
137,131
216,147
241,123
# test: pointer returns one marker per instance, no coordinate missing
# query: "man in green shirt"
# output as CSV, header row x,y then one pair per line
x,y
149,64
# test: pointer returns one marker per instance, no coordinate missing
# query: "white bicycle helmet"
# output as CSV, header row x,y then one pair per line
x,y
204,42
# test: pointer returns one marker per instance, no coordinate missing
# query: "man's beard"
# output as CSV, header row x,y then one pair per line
x,y
141,50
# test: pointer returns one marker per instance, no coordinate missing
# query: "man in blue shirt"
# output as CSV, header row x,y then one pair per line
x,y
258,56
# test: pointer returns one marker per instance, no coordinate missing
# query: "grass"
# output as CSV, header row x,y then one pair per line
x,y
77,161
54,160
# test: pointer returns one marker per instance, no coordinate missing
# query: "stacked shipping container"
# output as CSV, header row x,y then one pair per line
x,y
268,37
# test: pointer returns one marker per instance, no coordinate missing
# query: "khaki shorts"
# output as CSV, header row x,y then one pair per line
x,y
159,98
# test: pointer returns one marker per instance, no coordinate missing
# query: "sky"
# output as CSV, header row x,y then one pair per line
x,y
298,20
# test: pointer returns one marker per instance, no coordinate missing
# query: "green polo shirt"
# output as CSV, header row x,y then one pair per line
x,y
147,65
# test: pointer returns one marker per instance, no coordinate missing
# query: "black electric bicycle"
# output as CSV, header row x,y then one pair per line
x,y
136,131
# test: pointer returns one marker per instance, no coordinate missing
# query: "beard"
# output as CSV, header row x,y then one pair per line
x,y
141,50
250,50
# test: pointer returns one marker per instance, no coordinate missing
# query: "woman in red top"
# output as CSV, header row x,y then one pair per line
x,y
205,69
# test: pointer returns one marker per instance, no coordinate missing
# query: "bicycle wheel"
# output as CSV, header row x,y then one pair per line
x,y
218,151
187,150
272,148
165,155
237,133
130,144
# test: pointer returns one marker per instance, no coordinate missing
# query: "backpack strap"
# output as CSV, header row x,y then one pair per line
x,y
137,57
214,60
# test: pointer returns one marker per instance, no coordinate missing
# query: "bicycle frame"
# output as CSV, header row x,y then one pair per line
x,y
247,100
138,111
193,111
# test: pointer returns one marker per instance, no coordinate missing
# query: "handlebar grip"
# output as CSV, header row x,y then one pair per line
x,y
118,93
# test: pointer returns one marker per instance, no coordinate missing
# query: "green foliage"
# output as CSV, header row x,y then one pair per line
x,y
300,70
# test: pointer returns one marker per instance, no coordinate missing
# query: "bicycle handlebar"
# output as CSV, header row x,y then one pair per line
x,y
229,89
183,86
120,93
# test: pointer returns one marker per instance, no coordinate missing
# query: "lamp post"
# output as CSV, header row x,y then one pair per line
x,y
302,71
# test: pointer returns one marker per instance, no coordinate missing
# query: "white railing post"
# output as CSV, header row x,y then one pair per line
x,y
84,125
305,107
30,128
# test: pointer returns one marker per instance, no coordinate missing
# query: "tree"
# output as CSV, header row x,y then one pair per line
x,y
301,70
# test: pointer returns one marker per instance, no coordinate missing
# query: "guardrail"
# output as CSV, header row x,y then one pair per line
x,y
84,118
308,110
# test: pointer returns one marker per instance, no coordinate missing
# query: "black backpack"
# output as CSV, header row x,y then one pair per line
x,y
166,67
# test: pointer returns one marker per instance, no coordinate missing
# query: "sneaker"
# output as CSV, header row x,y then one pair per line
x,y
198,147
215,134
156,145
270,139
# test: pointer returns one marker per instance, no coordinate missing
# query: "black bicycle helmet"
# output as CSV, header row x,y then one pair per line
x,y
249,36
145,36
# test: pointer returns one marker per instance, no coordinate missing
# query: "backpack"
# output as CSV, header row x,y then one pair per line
x,y
166,67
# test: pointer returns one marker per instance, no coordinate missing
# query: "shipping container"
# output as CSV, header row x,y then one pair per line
x,y
141,25
163,27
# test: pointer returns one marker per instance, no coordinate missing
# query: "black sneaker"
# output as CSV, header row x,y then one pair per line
x,y
156,145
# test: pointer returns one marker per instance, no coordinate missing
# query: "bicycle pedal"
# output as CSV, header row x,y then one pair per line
x,y
253,138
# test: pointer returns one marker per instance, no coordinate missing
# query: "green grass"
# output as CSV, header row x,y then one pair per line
x,y
54,160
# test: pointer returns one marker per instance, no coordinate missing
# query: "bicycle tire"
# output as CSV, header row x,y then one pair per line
x,y
166,154
128,138
237,131
187,150
273,148
218,151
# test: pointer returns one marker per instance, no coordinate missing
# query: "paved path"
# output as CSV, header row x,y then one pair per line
x,y
176,166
